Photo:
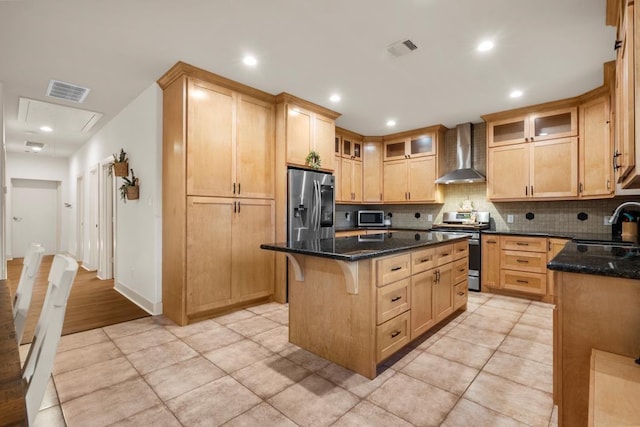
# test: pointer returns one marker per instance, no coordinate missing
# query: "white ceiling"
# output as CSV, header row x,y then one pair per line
x,y
550,49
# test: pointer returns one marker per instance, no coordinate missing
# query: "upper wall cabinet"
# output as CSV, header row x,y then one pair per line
x,y
224,157
536,126
418,145
595,165
308,128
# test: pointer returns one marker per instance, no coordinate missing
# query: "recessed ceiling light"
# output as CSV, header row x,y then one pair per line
x,y
391,123
36,149
250,60
46,128
515,94
335,98
485,46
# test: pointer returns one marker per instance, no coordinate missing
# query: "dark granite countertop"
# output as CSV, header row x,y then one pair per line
x,y
424,229
575,236
598,259
357,248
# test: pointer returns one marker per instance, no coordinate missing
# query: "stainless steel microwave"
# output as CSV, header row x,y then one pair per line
x,y
370,218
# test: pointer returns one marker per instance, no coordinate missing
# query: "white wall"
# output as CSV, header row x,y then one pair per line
x,y
3,247
34,166
138,234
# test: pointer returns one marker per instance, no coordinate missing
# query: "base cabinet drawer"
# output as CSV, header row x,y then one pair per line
x,y
461,250
460,270
423,260
523,243
393,268
393,299
392,335
444,254
460,295
532,262
532,283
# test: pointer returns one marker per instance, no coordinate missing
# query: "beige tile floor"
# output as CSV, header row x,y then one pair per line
x,y
488,366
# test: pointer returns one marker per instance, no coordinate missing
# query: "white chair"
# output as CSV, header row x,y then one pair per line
x,y
22,301
39,364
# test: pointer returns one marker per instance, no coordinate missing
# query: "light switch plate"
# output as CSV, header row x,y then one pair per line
x,y
510,219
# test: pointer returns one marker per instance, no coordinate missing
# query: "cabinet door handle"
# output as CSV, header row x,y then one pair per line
x,y
522,281
238,188
522,244
396,268
409,195
531,139
235,207
238,207
395,334
234,188
522,261
526,190
526,140
380,196
461,293
532,190
608,184
581,187
461,269
394,299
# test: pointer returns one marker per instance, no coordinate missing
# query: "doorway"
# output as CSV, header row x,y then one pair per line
x,y
35,215
94,235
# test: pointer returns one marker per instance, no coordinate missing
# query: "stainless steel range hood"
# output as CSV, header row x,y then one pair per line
x,y
464,172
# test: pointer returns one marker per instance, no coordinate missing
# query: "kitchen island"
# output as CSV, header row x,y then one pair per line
x,y
597,308
357,300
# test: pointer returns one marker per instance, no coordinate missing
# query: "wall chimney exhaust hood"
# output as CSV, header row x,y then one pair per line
x,y
464,172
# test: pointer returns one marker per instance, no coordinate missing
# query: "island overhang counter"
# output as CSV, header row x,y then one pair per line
x,y
357,300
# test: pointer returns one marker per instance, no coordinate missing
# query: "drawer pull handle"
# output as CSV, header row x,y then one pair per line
x,y
394,299
395,334
461,269
523,261
445,254
522,281
522,244
396,268
423,260
491,241
461,293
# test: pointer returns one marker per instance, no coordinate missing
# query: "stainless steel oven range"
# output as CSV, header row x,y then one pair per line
x,y
472,223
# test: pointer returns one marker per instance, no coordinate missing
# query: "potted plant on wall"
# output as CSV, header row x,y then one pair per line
x,y
120,164
130,188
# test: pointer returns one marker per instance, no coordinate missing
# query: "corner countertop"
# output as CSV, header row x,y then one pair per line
x,y
358,248
598,259
575,236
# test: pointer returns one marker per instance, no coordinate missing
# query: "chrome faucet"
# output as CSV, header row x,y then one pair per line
x,y
616,213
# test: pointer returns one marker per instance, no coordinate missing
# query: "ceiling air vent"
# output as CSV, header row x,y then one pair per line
x,y
402,47
34,146
67,91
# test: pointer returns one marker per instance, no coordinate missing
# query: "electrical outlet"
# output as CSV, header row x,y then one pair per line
x,y
605,220
430,218
510,219
347,216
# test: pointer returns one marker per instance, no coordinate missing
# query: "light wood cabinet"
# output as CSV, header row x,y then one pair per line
x,y
351,180
411,180
443,292
490,247
218,190
532,127
422,318
225,264
372,172
627,152
539,170
230,143
595,165
418,145
554,247
516,265
307,130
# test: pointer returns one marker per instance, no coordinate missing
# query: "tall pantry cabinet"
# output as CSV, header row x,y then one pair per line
x,y
218,194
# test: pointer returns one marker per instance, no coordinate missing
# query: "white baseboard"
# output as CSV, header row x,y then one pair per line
x,y
148,306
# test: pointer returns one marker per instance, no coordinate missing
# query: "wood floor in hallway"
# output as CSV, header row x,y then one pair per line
x,y
93,303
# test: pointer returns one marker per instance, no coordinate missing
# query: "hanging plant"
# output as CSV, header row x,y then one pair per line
x,y
120,164
313,160
130,189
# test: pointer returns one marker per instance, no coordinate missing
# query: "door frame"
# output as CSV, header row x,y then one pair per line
x,y
93,219
79,217
106,221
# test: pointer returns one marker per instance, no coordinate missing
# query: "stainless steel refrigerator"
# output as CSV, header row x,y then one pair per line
x,y
311,205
